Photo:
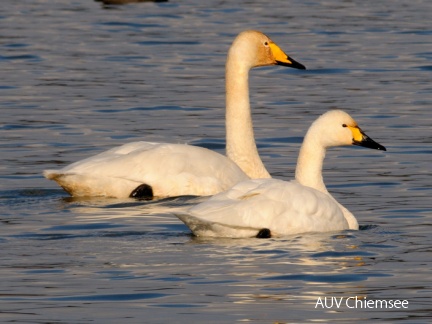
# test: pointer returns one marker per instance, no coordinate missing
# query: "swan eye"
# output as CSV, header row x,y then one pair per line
x,y
344,125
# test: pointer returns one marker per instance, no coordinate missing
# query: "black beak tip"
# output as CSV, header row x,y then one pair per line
x,y
300,66
297,65
378,146
294,64
369,143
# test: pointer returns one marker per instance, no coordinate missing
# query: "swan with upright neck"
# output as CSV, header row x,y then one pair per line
x,y
158,170
270,207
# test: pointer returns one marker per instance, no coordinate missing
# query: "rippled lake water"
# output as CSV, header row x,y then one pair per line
x,y
79,77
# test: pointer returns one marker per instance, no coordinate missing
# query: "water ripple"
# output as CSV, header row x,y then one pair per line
x,y
93,298
327,278
23,57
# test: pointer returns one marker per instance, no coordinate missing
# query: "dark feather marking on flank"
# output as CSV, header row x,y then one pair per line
x,y
144,192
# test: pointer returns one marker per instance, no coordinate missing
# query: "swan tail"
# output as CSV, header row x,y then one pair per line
x,y
51,174
87,185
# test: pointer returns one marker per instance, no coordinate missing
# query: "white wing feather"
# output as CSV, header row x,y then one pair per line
x,y
170,169
282,207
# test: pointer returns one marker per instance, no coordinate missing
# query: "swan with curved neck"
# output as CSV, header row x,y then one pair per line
x,y
158,170
240,138
270,207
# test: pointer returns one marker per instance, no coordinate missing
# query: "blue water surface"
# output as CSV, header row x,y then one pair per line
x,y
80,77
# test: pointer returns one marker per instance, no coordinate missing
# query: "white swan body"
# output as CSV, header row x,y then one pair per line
x,y
284,207
158,170
169,169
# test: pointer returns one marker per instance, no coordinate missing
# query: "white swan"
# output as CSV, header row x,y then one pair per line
x,y
156,170
270,207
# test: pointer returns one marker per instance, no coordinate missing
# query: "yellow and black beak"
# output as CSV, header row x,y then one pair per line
x,y
282,59
361,139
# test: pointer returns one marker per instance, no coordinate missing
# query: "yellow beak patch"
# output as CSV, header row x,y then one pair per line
x,y
278,54
356,133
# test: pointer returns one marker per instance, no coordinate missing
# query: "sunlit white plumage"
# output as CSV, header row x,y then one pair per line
x,y
177,169
285,207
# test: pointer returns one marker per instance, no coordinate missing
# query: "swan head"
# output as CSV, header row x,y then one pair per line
x,y
254,49
337,128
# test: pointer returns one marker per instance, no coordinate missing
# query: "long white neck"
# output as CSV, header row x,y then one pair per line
x,y
240,141
309,171
310,163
